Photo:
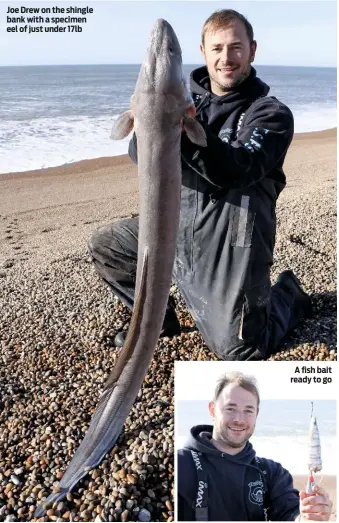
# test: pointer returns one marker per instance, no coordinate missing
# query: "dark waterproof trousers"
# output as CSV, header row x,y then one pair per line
x,y
242,334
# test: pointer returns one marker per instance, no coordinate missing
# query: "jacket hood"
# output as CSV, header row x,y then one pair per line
x,y
252,87
200,440
228,107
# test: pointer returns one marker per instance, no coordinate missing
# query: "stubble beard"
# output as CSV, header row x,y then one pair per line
x,y
221,436
233,83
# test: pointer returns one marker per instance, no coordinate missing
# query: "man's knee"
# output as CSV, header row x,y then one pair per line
x,y
116,240
98,239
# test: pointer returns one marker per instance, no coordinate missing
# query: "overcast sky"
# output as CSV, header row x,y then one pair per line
x,y
288,32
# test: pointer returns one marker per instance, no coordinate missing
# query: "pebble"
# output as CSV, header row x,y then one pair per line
x,y
58,323
131,479
96,474
144,515
15,480
169,505
150,493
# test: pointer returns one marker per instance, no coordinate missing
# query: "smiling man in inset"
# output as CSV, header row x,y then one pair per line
x,y
219,476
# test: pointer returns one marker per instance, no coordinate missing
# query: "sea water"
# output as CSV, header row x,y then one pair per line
x,y
55,115
281,431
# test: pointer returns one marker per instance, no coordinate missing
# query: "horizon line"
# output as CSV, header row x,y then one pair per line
x,y
185,64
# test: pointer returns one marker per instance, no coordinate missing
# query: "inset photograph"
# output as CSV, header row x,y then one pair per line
x,y
244,457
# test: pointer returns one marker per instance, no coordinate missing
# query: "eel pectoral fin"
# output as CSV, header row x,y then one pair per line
x,y
123,126
194,131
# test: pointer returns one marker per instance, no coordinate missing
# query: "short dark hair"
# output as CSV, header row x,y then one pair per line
x,y
238,378
223,18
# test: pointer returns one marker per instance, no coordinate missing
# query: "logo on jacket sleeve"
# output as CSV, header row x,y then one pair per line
x,y
256,493
225,135
254,142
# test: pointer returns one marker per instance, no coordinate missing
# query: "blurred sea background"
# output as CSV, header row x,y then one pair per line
x,y
281,431
55,115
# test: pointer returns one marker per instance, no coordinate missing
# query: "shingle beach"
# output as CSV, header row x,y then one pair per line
x,y
58,322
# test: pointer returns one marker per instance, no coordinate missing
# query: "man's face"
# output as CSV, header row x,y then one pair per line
x,y
235,413
228,56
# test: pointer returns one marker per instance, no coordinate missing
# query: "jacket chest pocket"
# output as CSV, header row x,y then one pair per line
x,y
242,222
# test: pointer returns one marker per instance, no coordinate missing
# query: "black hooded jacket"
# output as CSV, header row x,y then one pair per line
x,y
259,137
227,217
252,155
239,486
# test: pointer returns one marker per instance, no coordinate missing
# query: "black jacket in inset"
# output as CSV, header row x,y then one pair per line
x,y
227,218
237,484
